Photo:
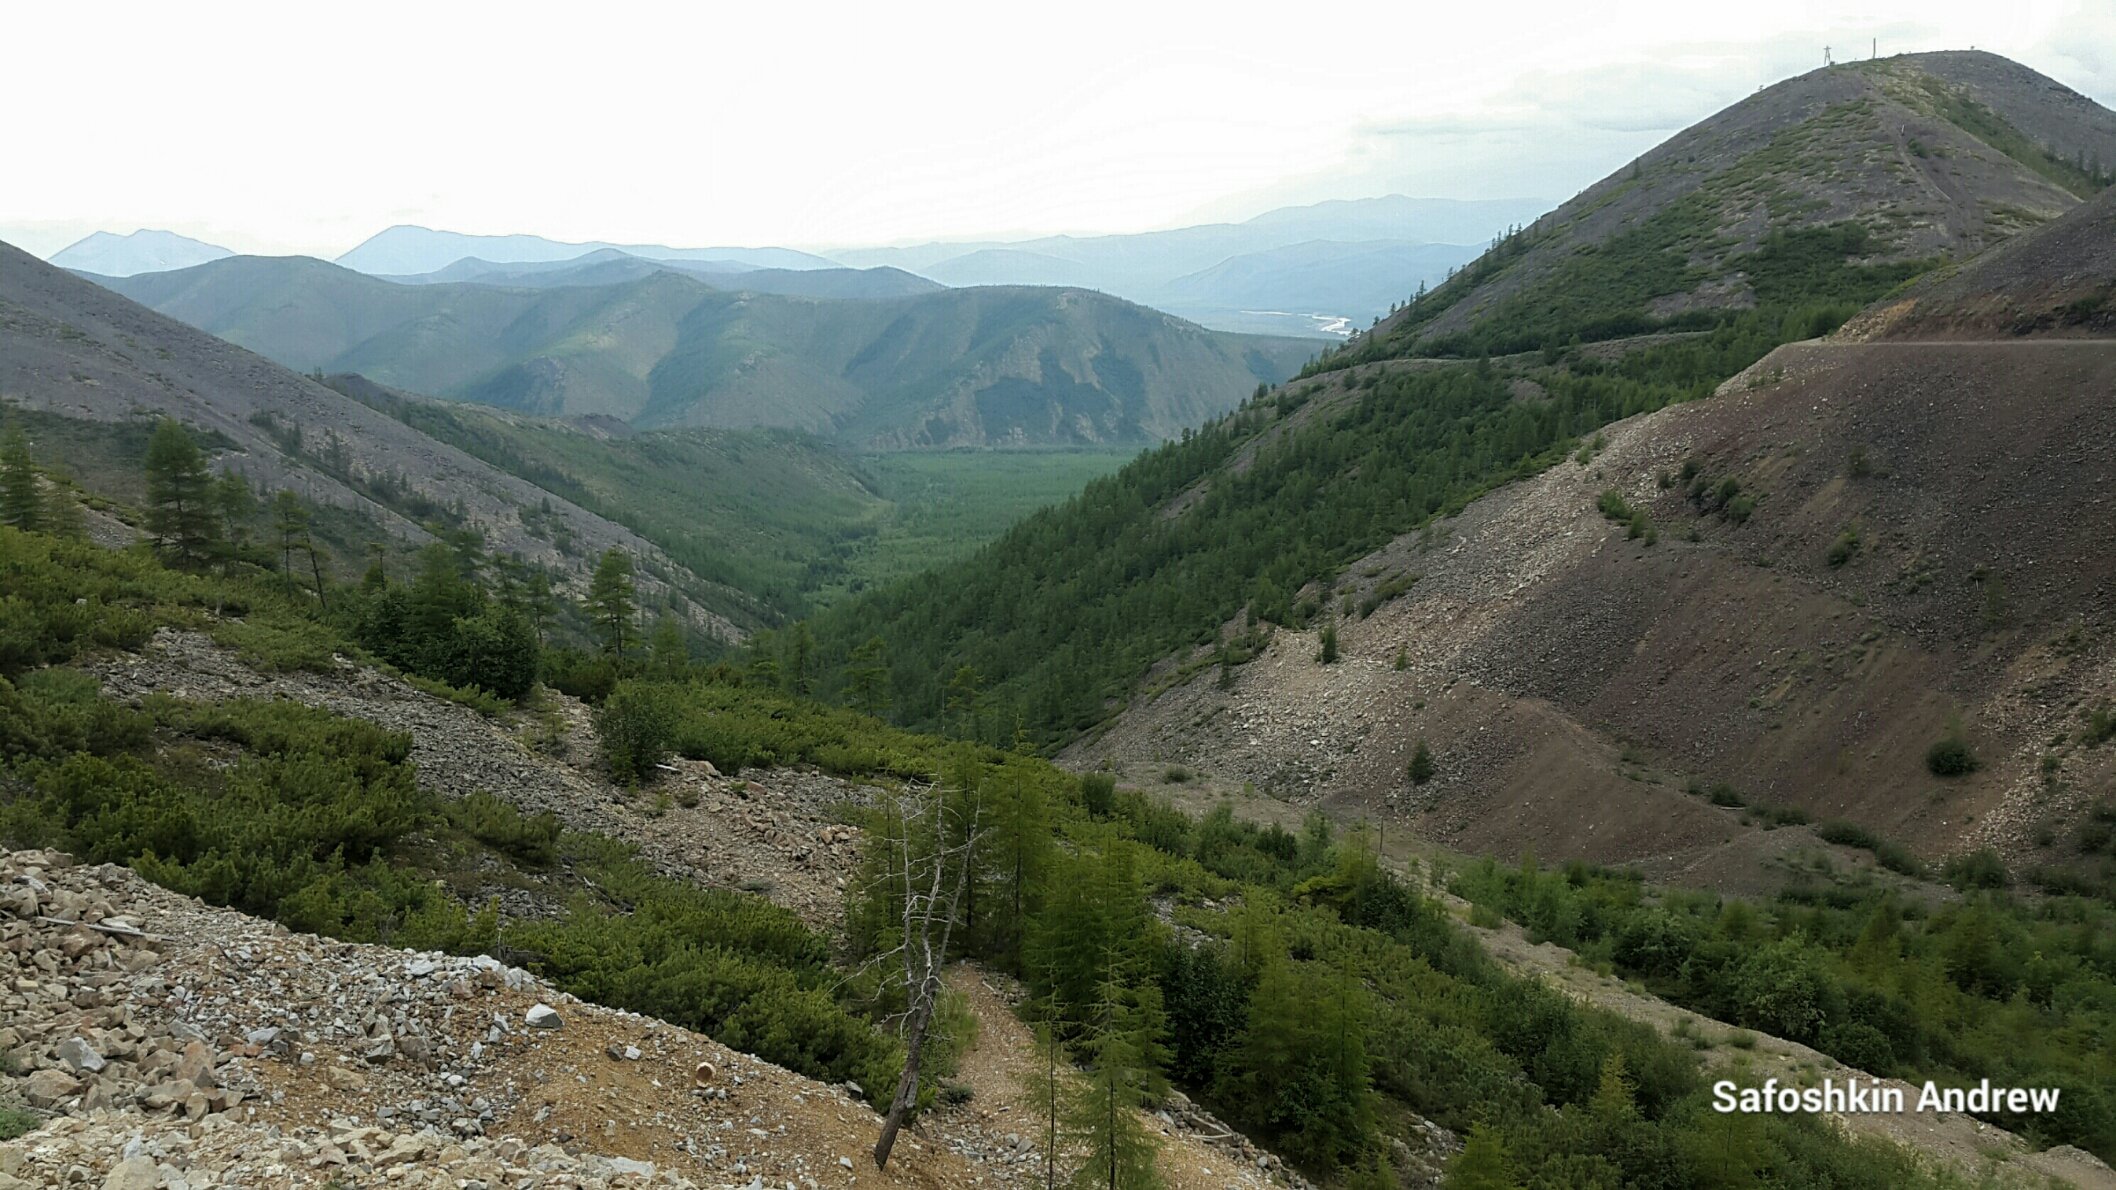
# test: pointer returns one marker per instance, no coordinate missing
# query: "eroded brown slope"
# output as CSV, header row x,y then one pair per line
x,y
2060,281
1572,681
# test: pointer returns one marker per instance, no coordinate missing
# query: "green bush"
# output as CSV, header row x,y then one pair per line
x,y
1976,869
1421,766
1842,549
1848,834
1951,757
15,1122
637,726
734,966
528,839
588,676
1098,794
445,626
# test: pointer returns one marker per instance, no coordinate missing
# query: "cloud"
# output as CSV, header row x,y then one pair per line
x,y
2081,49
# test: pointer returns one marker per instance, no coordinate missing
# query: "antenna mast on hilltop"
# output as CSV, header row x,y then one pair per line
x,y
1826,59
1876,51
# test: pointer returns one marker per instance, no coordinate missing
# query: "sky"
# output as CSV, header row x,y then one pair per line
x,y
305,128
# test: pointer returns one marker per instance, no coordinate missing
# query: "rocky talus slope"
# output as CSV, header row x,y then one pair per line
x,y
179,1046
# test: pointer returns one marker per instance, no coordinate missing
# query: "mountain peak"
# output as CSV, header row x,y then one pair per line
x,y
147,250
1883,162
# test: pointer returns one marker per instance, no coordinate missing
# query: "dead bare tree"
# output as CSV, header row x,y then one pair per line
x,y
932,883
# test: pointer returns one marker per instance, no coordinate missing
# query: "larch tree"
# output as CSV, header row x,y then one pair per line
x,y
867,677
613,602
1124,1053
179,495
21,505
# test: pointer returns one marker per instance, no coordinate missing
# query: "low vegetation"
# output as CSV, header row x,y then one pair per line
x,y
1988,986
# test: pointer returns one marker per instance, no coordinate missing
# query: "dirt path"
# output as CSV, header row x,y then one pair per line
x,y
994,1071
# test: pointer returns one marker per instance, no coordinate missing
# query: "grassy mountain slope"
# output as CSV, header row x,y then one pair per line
x,y
1889,162
974,367
75,350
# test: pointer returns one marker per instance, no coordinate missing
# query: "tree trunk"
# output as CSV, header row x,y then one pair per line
x,y
907,1085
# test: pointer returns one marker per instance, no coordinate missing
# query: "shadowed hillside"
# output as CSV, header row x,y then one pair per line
x,y
78,351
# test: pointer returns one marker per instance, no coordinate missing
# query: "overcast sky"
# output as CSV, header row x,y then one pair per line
x,y
307,127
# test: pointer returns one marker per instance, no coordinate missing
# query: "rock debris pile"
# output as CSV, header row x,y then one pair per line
x,y
164,1045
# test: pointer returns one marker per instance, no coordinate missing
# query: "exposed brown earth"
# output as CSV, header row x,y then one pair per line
x,y
1572,682
2060,281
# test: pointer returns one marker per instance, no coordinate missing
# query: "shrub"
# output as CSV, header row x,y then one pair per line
x,y
1951,757
1176,775
1846,545
2101,726
1098,794
1976,869
587,676
1897,858
1848,834
637,724
531,840
1421,767
724,963
15,1122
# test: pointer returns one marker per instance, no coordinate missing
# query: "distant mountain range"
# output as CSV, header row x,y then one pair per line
x,y
1323,270
1271,272
404,250
989,366
144,251
608,266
